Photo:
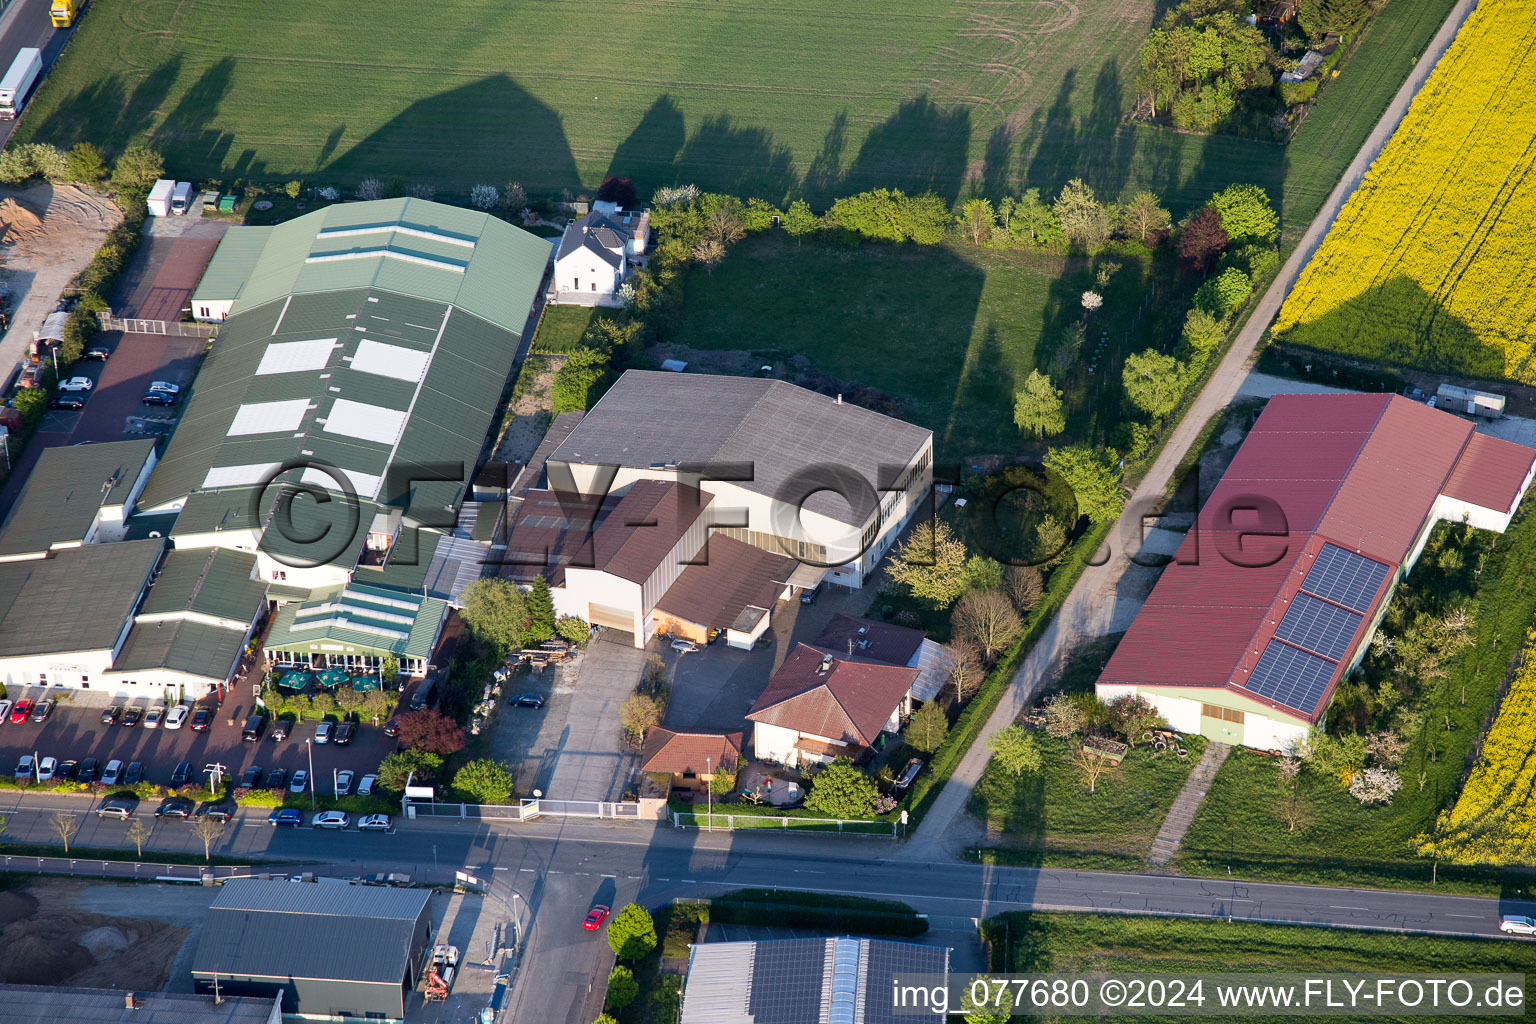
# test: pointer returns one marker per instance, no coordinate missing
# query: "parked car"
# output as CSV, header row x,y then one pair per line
x,y
153,716
111,715
285,817
217,810
201,716
275,778
392,728
527,700
43,710
76,384
25,767
254,726
97,353
87,770
1516,924
116,807
280,729
251,777
131,715
67,402
183,774
299,781
682,646
158,398
21,712
67,770
134,774
344,731
177,716
47,768
175,807
810,594
114,773
331,819
323,732
595,918
365,785
374,823
5,710
344,782
165,386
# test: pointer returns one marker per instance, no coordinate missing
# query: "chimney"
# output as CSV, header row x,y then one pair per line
x,y
133,1001
826,664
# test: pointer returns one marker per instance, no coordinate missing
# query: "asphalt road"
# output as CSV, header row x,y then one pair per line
x,y
560,868
26,23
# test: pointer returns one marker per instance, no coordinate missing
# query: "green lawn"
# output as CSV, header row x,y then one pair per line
x,y
1347,843
949,331
756,99
561,327
1035,943
1053,812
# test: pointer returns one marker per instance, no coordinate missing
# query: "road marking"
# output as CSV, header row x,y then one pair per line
x,y
1125,892
808,871
530,871
1470,917
555,872
690,881
1333,907
606,875
499,868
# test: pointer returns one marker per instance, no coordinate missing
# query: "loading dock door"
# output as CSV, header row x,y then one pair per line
x,y
613,618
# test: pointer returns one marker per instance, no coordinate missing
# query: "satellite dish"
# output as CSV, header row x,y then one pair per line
x,y
154,533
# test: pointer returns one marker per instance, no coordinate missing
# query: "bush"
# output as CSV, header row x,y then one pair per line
x,y
483,781
1292,93
484,197
1224,294
622,987
580,382
293,188
396,767
842,790
573,630
136,170
632,933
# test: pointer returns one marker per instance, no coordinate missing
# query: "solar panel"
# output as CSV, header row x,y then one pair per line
x,y
1290,676
1318,626
1344,577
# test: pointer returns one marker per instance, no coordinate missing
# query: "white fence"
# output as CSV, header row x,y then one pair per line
x,y
180,329
784,822
527,810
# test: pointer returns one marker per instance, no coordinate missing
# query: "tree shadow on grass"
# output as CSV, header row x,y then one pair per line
x,y
186,128
648,157
488,131
79,116
920,148
1398,323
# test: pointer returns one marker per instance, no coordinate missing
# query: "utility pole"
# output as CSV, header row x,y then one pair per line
x,y
309,748
709,797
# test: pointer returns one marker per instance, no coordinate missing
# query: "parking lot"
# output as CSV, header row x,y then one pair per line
x,y
75,731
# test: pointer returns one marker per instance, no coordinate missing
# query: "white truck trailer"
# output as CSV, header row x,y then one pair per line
x,y
17,85
160,198
1472,403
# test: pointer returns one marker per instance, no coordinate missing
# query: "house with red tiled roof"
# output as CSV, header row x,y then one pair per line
x,y
819,707
1273,597
690,758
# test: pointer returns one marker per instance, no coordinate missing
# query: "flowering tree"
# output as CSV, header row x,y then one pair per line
x,y
483,197
1375,785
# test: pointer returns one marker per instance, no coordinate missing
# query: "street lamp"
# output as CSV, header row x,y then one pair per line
x,y
709,797
311,751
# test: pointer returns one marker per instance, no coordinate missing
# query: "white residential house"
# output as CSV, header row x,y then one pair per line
x,y
597,253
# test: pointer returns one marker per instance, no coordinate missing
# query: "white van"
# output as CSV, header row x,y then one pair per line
x,y
181,198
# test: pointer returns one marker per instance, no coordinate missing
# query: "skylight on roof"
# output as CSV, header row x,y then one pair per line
x,y
398,228
436,263
366,422
395,361
364,485
295,356
269,417
238,476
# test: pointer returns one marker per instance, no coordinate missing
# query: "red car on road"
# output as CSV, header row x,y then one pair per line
x,y
22,711
595,918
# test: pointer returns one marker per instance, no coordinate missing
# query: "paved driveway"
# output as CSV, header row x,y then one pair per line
x,y
590,759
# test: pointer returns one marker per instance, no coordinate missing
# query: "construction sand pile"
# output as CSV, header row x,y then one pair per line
x,y
17,223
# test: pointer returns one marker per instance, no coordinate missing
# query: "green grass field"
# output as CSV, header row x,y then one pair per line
x,y
769,100
949,331
1033,943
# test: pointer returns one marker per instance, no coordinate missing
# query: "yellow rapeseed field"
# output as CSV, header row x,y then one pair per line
x,y
1432,262
1494,819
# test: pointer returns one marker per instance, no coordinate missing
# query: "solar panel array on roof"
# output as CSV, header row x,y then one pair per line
x,y
1319,627
1345,578
786,981
1290,676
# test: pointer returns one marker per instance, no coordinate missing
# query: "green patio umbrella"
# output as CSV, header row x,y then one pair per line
x,y
367,683
332,678
295,680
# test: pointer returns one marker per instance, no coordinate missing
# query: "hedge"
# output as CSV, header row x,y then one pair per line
x,y
820,911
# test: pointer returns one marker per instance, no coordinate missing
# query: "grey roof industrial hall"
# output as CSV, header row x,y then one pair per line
x,y
796,443
279,929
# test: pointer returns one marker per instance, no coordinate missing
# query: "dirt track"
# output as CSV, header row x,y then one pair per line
x,y
46,242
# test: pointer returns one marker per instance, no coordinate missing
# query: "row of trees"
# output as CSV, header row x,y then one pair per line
x,y
1075,218
1201,61
502,614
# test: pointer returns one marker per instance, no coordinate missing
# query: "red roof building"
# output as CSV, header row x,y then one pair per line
x,y
818,707
1271,599
691,758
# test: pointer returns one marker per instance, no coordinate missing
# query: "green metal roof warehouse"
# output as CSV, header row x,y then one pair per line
x,y
369,340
